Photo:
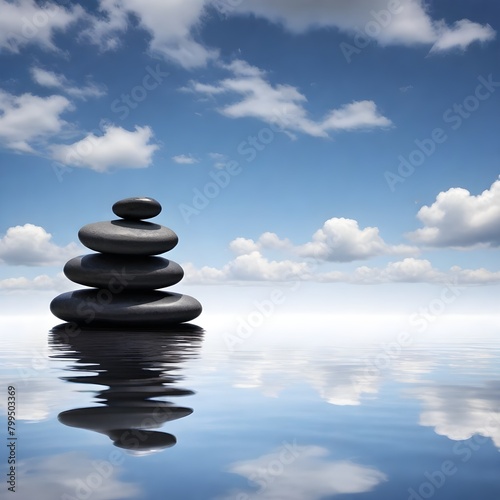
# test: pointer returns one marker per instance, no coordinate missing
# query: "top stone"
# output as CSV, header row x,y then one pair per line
x,y
137,208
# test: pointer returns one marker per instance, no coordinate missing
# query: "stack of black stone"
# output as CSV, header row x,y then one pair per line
x,y
126,273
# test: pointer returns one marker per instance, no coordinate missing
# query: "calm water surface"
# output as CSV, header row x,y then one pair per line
x,y
308,409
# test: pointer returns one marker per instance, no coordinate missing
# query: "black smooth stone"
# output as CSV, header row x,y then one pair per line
x,y
137,208
95,307
127,237
121,423
119,272
150,441
108,418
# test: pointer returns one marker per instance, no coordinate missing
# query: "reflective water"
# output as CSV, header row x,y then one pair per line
x,y
303,410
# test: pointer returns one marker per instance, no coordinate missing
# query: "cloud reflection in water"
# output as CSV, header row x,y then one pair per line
x,y
68,476
303,472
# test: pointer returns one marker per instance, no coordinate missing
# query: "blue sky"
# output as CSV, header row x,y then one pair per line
x,y
328,142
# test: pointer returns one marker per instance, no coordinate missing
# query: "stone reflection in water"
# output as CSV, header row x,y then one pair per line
x,y
135,367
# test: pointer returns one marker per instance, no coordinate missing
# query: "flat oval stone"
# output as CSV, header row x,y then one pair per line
x,y
151,441
127,237
137,208
128,308
108,418
123,272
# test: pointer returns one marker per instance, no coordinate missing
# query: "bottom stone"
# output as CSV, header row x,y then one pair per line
x,y
135,308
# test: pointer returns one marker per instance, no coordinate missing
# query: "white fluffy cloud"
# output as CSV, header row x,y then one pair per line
x,y
307,473
220,160
184,159
460,412
58,81
409,22
117,147
459,219
105,29
473,276
31,245
282,105
254,266
60,476
41,282
341,240
28,118
411,270
267,240
248,267
358,114
170,25
25,21
461,35
242,246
